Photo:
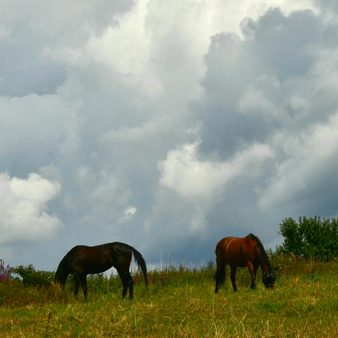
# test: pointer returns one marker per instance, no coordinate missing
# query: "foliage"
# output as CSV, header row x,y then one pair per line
x,y
310,238
5,271
32,277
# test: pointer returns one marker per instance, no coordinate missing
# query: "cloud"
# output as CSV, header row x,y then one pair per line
x,y
191,177
24,212
309,156
35,131
128,214
26,45
168,124
261,82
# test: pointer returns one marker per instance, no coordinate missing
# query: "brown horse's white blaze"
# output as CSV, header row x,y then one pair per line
x,y
243,252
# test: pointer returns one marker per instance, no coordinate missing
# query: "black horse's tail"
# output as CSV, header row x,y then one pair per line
x,y
141,263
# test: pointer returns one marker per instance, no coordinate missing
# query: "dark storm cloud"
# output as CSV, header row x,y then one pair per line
x,y
29,30
251,83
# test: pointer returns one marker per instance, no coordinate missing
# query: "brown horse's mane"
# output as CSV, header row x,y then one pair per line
x,y
265,256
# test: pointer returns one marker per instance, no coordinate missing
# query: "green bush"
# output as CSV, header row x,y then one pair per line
x,y
310,238
32,277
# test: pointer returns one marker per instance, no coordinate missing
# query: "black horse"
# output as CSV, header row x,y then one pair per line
x,y
83,260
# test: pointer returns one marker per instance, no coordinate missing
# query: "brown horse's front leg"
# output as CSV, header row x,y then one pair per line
x,y
233,277
252,274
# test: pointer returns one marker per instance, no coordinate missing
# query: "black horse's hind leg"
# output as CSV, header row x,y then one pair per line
x,y
127,283
125,287
80,279
130,285
233,277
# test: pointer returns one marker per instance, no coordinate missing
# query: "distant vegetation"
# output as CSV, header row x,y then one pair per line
x,y
310,238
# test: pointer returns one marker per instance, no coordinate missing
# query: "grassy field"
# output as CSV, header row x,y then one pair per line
x,y
180,303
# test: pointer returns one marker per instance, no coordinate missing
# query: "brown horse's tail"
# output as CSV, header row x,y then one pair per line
x,y
141,263
220,266
220,273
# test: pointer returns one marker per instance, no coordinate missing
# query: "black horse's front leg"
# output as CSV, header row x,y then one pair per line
x,y
76,279
127,283
84,286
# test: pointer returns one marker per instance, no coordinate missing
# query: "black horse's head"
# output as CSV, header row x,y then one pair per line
x,y
269,278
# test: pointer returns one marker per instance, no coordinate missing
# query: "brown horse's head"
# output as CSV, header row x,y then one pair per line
x,y
269,278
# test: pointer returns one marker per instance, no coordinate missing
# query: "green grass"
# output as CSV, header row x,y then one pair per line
x,y
180,303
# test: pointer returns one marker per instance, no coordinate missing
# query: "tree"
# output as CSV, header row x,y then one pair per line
x,y
310,237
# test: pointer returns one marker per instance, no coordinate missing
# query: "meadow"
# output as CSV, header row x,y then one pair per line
x,y
180,302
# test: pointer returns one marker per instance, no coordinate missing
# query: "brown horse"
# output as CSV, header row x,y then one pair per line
x,y
241,252
83,260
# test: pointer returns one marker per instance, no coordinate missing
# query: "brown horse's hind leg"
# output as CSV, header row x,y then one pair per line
x,y
233,277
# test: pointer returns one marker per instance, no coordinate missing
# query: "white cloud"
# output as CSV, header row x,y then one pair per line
x,y
128,214
185,173
24,214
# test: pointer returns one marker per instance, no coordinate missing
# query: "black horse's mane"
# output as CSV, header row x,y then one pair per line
x,y
265,256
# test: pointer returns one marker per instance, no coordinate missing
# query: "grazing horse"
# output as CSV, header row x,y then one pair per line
x,y
241,252
83,260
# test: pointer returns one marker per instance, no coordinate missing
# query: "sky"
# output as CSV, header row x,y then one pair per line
x,y
166,125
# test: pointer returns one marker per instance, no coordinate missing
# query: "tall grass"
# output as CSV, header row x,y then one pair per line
x,y
180,302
